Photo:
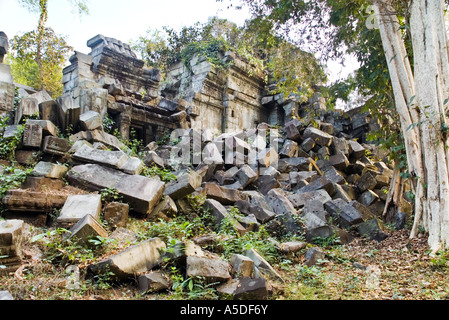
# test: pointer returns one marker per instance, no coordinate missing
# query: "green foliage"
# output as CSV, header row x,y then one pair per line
x,y
164,174
110,194
12,177
43,71
213,51
9,145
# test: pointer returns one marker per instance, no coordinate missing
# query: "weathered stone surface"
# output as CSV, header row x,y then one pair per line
x,y
246,288
343,214
242,265
56,146
321,138
113,159
90,120
151,158
308,144
297,177
116,214
292,246
299,199
265,183
223,195
212,270
318,184
340,146
368,198
183,185
48,127
366,182
32,136
295,164
292,130
10,131
87,228
339,161
11,238
133,166
289,149
371,230
285,211
78,206
268,157
356,150
261,265
5,295
142,193
165,209
136,259
153,281
220,212
313,256
245,175
32,201
334,175
49,170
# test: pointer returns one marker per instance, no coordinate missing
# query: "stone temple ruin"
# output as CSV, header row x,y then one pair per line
x,y
112,81
315,169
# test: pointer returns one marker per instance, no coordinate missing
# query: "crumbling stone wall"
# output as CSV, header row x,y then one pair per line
x,y
221,100
7,86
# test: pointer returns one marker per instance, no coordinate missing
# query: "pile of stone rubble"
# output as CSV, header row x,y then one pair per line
x,y
304,181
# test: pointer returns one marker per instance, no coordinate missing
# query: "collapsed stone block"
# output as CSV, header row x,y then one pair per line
x,y
223,195
183,185
153,281
87,228
49,170
211,270
245,288
321,138
11,238
262,267
78,206
116,214
56,146
342,213
90,120
32,136
242,265
136,259
220,213
245,175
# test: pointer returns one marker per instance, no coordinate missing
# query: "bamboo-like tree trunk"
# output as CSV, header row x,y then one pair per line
x,y
419,100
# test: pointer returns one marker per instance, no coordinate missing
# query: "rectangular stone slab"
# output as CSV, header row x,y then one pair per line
x,y
140,192
77,207
136,259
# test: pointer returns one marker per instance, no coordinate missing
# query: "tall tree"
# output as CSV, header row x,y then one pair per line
x,y
43,46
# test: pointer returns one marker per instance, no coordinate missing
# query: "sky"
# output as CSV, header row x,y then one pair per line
x,y
124,20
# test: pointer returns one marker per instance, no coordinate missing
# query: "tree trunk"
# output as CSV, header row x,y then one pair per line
x,y
40,38
419,100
